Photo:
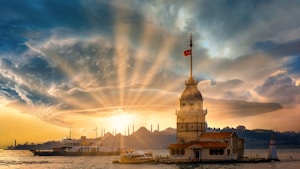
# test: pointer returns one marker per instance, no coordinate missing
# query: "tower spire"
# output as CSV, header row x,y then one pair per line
x,y
191,58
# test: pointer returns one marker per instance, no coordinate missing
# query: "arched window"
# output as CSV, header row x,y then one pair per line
x,y
199,106
221,151
192,106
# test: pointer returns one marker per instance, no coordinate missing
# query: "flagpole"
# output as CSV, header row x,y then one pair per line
x,y
191,59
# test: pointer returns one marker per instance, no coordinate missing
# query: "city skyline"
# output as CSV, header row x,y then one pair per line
x,y
88,64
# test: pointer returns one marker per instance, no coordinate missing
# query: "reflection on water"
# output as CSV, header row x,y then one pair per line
x,y
290,159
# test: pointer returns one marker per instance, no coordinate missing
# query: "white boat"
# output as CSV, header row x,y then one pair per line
x,y
135,157
78,147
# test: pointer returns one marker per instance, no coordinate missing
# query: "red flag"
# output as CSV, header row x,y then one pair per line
x,y
187,52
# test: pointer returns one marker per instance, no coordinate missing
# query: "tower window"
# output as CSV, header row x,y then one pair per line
x,y
192,106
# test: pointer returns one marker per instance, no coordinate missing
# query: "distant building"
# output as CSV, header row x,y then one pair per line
x,y
240,127
193,142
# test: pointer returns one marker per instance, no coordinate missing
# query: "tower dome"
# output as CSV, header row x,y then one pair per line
x,y
191,91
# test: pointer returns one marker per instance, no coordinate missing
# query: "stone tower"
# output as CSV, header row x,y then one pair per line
x,y
190,116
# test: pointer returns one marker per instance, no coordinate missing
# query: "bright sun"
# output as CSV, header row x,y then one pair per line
x,y
121,122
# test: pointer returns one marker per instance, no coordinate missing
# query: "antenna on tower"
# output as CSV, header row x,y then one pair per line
x,y
190,53
191,59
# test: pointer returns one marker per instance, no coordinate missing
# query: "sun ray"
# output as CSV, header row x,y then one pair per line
x,y
141,52
36,87
161,57
121,31
99,97
72,73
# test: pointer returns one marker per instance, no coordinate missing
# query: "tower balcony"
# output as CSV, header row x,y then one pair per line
x,y
190,112
191,81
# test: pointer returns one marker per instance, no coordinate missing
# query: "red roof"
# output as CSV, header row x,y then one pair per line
x,y
210,135
200,144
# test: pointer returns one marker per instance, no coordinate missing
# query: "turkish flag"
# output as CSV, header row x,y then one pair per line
x,y
187,52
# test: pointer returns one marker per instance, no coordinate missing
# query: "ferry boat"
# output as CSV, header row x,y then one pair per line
x,y
78,147
135,157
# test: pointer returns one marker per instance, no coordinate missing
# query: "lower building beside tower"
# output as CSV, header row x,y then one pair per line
x,y
210,146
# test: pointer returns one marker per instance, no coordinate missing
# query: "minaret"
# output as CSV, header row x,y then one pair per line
x,y
70,134
190,116
272,155
96,130
132,128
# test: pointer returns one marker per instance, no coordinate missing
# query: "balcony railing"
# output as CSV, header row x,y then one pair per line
x,y
178,112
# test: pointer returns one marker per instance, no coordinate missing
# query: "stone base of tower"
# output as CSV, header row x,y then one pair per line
x,y
186,137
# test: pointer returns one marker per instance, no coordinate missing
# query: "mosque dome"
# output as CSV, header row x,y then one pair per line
x,y
191,91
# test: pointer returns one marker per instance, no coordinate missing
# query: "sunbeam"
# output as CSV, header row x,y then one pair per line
x,y
160,57
142,52
121,29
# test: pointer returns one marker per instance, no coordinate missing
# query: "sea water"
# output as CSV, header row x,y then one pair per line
x,y
23,159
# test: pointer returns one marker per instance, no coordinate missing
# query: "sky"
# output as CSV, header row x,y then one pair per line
x,y
118,65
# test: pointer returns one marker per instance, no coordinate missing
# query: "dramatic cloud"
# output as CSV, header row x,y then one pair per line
x,y
66,61
281,88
